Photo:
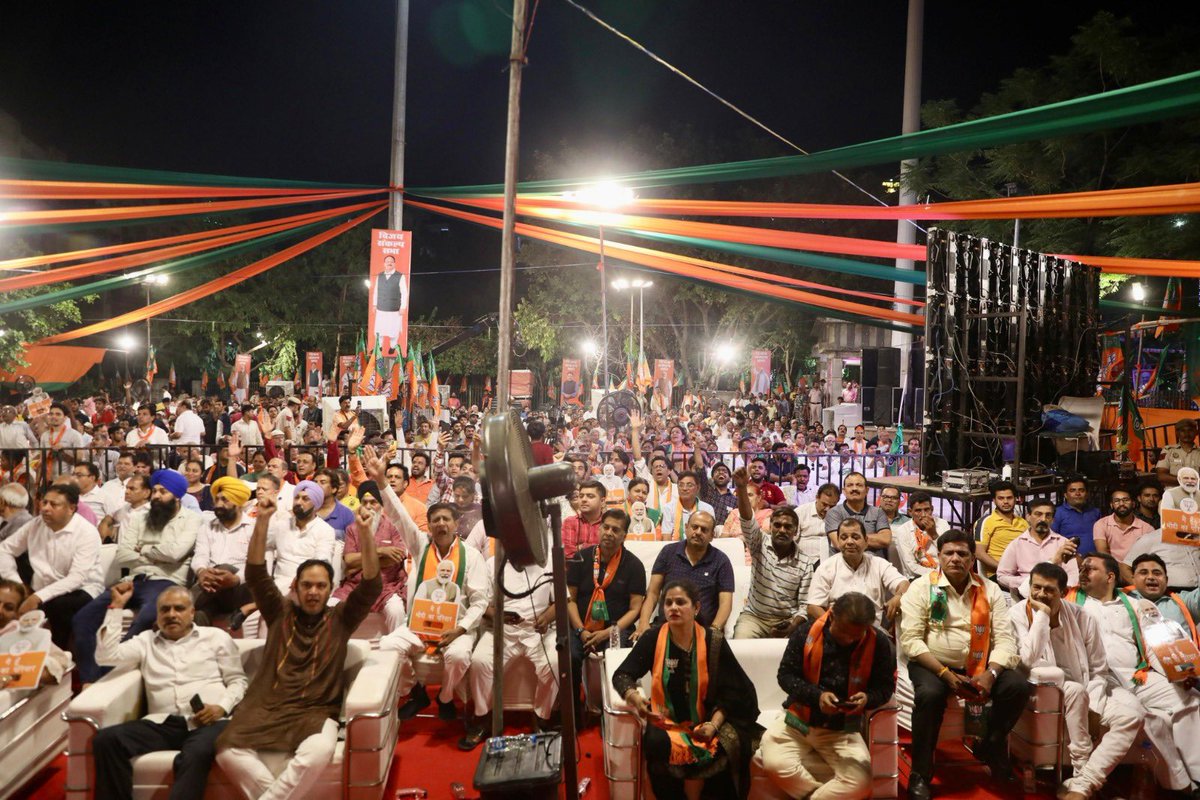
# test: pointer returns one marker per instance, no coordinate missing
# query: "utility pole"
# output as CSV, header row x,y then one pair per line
x,y
906,231
399,96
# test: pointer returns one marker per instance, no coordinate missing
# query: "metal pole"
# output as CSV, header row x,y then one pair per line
x,y
147,325
632,353
906,232
399,94
603,319
516,61
641,324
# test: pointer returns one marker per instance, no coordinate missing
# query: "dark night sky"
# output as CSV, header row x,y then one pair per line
x,y
302,89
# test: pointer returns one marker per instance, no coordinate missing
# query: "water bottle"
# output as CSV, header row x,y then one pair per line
x,y
614,636
1144,786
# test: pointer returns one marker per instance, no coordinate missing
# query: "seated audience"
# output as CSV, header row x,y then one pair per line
x,y
780,573
916,538
1053,633
998,529
583,529
694,560
301,535
1121,529
1076,518
219,562
853,569
64,554
14,509
1172,717
295,698
687,502
179,661
1149,496
703,710
1150,582
834,670
611,584
1182,560
855,506
814,542
1036,545
335,513
956,634
136,491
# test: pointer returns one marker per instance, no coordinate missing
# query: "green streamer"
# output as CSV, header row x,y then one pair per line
x,y
1120,305
34,170
1147,102
169,268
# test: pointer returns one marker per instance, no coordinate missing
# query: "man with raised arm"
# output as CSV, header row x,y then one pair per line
x,y
295,698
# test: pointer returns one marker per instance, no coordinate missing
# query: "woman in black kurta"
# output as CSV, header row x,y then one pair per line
x,y
703,710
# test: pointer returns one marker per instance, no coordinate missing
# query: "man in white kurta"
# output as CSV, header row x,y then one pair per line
x,y
1056,634
1172,718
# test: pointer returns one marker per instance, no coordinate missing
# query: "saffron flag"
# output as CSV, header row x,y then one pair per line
x,y
644,378
1172,301
171,376
204,381
151,365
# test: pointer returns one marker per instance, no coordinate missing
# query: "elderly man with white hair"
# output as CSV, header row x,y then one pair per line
x,y
14,509
1183,497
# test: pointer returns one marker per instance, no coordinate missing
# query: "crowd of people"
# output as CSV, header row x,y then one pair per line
x,y
278,520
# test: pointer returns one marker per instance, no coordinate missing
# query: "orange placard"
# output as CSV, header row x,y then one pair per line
x,y
26,666
1181,527
1180,659
38,408
430,619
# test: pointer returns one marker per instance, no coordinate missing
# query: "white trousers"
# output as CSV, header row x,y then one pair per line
x,y
1121,715
531,646
1173,724
820,765
456,659
255,782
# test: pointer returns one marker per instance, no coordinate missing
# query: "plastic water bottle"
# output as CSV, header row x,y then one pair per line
x,y
614,636
1144,786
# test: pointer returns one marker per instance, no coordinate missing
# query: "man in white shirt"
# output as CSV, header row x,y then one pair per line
x,y
91,493
1051,633
675,515
115,486
247,428
189,428
301,535
916,538
14,433
64,552
469,576
146,433
60,436
811,537
152,551
855,570
1172,718
219,562
137,504
178,662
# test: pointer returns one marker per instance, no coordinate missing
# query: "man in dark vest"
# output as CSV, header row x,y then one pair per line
x,y
391,301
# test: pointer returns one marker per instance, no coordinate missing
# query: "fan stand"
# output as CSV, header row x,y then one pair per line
x,y
562,646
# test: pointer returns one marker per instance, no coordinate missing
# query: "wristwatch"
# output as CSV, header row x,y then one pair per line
x,y
995,673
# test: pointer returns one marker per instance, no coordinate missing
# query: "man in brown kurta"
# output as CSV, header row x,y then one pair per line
x,y
293,703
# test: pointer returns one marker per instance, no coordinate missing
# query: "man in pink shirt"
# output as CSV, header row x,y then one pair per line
x,y
1117,532
583,530
1037,544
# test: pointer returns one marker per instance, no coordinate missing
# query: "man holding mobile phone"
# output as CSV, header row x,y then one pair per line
x,y
834,668
179,660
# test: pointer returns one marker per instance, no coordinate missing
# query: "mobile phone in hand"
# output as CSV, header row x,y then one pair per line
x,y
846,705
196,703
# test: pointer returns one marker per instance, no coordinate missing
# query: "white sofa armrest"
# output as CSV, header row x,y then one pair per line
x,y
373,689
115,698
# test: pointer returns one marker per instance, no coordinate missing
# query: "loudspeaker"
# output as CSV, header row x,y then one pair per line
x,y
878,404
881,366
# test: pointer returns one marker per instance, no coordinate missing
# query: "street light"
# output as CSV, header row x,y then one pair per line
x,y
126,342
725,353
1138,291
641,284
610,197
148,281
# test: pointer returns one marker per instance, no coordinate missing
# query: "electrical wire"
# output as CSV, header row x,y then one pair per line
x,y
744,114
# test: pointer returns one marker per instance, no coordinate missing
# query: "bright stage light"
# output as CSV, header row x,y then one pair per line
x,y
1138,292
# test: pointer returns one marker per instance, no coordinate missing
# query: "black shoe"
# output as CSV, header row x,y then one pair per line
x,y
918,788
474,736
236,619
997,761
418,699
447,711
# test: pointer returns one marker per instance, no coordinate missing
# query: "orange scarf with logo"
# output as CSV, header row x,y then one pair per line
x,y
684,749
981,623
861,660
597,617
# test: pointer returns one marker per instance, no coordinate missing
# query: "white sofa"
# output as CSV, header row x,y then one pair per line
x,y
760,659
32,732
358,771
647,552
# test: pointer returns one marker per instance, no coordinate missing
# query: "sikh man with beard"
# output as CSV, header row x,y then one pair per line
x,y
389,545
301,535
220,559
295,697
153,552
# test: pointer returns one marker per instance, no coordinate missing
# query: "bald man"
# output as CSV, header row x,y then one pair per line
x,y
179,652
696,560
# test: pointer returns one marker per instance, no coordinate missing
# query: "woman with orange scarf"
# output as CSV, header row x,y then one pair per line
x,y
701,718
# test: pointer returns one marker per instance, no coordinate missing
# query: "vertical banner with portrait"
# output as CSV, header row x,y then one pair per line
x,y
664,383
314,365
570,387
760,372
241,377
346,366
387,307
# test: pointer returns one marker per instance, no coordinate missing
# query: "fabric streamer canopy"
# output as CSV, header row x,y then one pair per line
x,y
54,368
85,190
33,169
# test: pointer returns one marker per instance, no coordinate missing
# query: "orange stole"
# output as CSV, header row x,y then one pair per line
x,y
684,749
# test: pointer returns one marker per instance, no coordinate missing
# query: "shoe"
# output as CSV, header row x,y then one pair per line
x,y
474,736
236,619
418,699
918,788
999,764
447,711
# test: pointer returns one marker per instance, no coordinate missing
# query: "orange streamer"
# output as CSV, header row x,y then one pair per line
x,y
213,286
122,262
709,271
60,216
1181,198
76,190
